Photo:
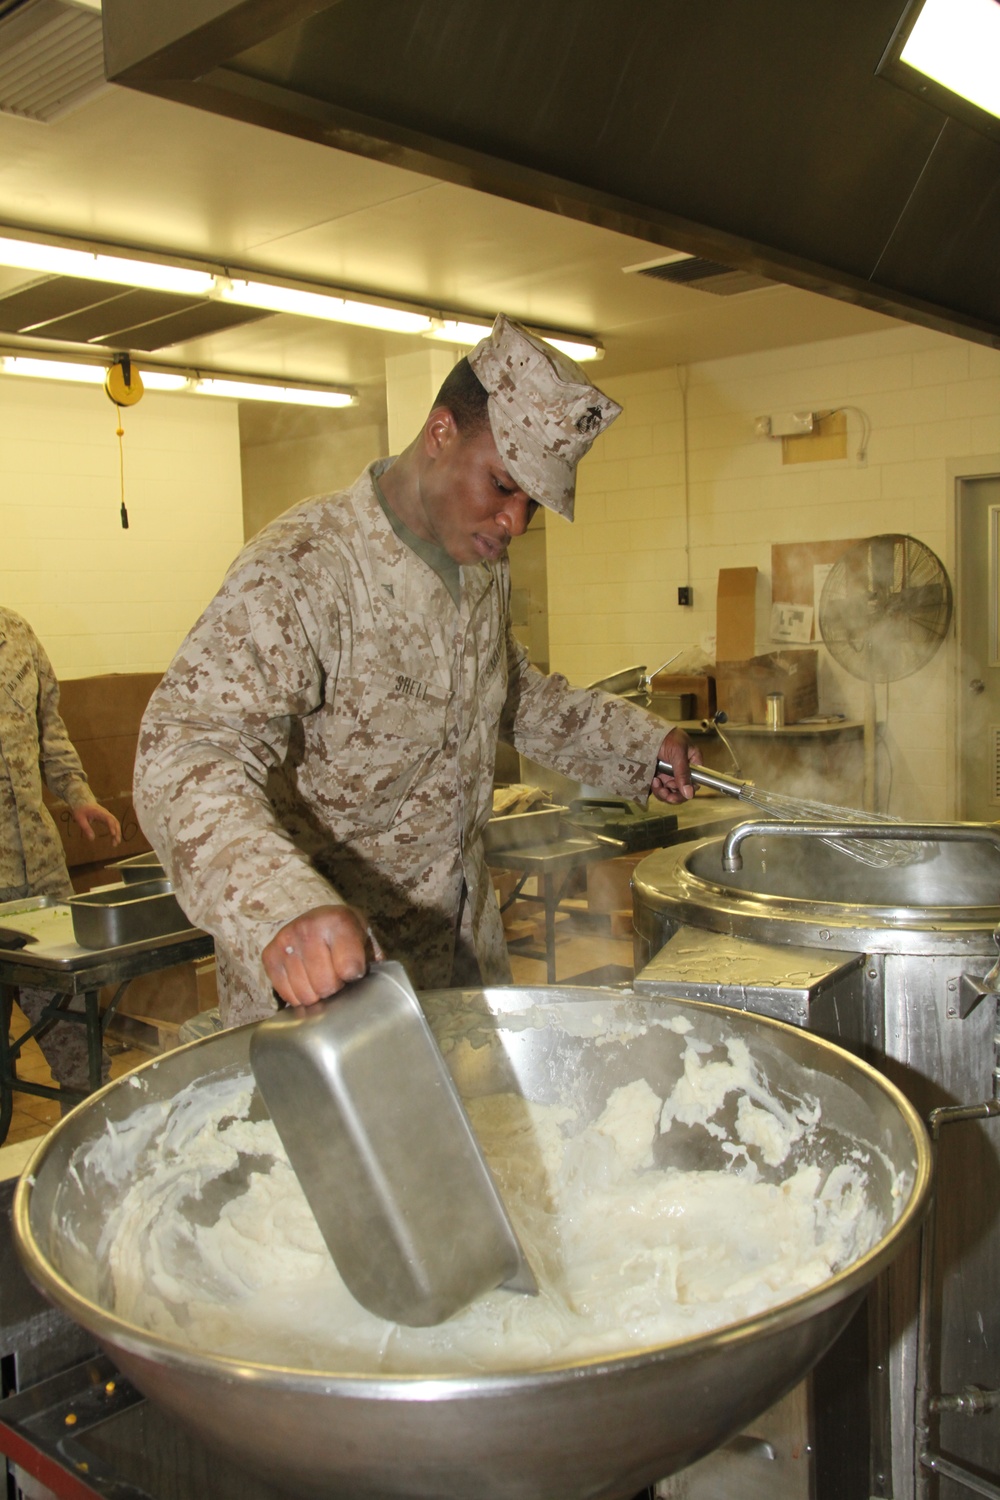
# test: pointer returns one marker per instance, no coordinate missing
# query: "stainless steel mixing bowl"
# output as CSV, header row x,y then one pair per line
x,y
603,1427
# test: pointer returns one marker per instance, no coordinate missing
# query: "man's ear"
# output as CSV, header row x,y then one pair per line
x,y
440,431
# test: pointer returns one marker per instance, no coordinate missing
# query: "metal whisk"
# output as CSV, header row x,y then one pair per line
x,y
880,854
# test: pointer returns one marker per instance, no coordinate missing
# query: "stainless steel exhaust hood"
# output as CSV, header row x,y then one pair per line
x,y
753,133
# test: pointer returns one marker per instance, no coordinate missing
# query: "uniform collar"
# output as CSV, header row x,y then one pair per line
x,y
400,573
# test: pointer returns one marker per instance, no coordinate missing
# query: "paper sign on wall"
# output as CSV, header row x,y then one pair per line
x,y
791,622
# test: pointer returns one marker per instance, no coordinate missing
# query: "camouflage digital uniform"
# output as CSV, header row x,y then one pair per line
x,y
327,733
34,743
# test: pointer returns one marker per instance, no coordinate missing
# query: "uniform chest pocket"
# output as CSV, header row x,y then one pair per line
x,y
20,691
395,707
382,736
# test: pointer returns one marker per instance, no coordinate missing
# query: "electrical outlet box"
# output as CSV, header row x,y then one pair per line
x,y
685,595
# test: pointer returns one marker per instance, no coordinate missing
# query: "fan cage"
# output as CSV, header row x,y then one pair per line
x,y
886,607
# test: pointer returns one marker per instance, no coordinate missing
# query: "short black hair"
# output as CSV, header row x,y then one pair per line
x,y
466,398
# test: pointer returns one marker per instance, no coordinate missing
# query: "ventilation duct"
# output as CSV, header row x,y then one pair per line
x,y
51,58
702,275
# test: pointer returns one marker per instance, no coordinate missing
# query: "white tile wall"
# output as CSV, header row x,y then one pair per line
x,y
102,599
280,473
613,576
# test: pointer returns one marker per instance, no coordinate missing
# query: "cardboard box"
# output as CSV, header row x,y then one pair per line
x,y
103,715
736,614
155,1006
172,995
742,687
609,883
700,684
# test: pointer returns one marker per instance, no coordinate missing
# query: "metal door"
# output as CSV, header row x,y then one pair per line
x,y
979,647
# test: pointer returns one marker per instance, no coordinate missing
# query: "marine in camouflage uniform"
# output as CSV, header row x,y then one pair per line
x,y
327,733
34,743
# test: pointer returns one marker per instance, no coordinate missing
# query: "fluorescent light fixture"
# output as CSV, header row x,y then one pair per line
x,y
452,331
957,44
285,299
248,390
575,348
300,301
52,369
233,386
57,260
160,380
947,52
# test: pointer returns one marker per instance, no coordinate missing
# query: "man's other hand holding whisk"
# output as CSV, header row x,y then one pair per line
x,y
678,753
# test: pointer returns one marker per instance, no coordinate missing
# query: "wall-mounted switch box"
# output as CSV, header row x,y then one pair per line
x,y
685,595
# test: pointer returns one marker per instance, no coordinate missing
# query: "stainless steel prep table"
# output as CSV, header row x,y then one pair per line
x,y
55,961
557,859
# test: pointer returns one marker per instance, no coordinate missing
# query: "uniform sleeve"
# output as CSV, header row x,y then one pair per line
x,y
220,724
592,737
64,775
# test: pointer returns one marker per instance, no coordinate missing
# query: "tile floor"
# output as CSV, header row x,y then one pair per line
x,y
586,952
32,1115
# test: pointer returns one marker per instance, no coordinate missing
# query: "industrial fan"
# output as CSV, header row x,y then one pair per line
x,y
884,611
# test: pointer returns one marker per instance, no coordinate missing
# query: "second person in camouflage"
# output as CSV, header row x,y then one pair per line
x,y
35,746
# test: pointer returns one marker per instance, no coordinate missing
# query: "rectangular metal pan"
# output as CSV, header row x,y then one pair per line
x,y
384,1151
522,830
146,866
121,914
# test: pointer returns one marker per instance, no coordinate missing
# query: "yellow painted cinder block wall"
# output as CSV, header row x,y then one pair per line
x,y
102,599
934,404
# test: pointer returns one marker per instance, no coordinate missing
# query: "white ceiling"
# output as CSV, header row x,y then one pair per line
x,y
135,171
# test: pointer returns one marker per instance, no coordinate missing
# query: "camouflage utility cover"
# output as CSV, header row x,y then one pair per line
x,y
33,742
544,412
328,732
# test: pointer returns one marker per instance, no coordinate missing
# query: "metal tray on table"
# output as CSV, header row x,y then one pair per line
x,y
138,867
119,914
523,830
45,923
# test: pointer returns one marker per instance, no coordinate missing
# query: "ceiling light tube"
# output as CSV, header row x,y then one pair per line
x,y
57,260
233,386
53,369
456,331
575,348
453,331
160,380
285,299
248,390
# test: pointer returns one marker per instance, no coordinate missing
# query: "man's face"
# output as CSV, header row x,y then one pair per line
x,y
470,502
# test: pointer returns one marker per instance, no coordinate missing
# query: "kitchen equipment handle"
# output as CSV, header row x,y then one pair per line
x,y
581,804
716,781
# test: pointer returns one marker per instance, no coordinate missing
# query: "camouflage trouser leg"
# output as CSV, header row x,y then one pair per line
x,y
64,1044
